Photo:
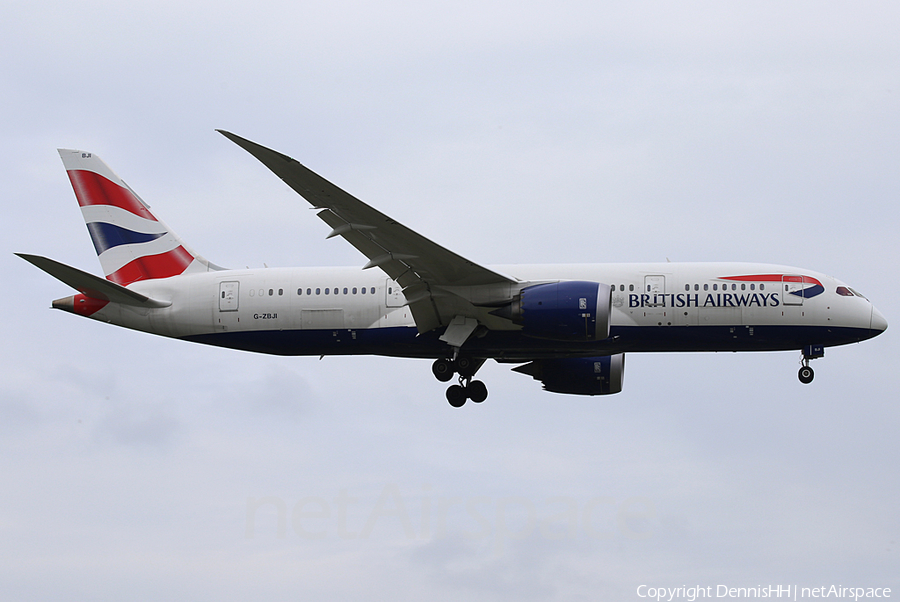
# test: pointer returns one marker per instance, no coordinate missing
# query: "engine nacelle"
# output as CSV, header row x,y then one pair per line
x,y
579,375
562,311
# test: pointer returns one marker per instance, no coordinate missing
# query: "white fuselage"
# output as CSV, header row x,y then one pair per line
x,y
663,306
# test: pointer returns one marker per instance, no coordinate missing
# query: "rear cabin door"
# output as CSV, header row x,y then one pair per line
x,y
228,296
228,316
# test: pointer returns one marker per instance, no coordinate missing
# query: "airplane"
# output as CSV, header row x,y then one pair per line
x,y
567,326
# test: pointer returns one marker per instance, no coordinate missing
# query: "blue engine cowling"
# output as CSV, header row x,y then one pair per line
x,y
564,311
579,375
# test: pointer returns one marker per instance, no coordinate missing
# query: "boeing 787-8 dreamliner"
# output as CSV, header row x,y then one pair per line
x,y
568,326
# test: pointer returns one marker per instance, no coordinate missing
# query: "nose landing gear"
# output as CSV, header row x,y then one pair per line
x,y
444,369
810,352
806,373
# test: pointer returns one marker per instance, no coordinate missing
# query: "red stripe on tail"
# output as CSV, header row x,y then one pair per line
x,y
93,189
149,267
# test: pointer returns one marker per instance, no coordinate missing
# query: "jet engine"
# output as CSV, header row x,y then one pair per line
x,y
562,311
579,375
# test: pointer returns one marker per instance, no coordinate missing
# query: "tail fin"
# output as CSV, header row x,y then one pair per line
x,y
131,243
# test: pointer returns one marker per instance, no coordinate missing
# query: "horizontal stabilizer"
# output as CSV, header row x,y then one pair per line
x,y
90,285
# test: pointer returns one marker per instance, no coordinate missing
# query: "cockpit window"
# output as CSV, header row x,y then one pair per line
x,y
846,291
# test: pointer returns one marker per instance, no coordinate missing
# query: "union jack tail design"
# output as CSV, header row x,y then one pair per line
x,y
131,243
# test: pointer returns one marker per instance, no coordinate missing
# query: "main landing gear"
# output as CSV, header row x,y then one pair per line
x,y
810,352
466,367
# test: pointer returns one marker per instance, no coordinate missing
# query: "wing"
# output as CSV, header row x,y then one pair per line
x,y
431,276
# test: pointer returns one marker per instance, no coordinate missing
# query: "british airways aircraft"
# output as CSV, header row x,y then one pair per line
x,y
567,326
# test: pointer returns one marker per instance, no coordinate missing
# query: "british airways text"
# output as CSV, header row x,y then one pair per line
x,y
709,300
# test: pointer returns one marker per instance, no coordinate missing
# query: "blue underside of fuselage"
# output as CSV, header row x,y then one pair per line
x,y
511,345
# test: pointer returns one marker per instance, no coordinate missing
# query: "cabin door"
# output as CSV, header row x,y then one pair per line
x,y
227,316
792,284
655,307
393,294
228,296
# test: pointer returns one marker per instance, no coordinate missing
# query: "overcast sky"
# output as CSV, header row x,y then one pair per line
x,y
135,467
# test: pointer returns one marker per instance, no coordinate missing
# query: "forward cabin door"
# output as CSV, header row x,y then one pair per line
x,y
791,284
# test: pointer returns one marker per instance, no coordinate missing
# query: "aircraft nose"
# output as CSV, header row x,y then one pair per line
x,y
878,321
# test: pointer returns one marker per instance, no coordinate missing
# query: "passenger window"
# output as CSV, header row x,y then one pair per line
x,y
299,291
762,287
696,287
364,290
715,287
345,290
631,287
318,291
734,287
280,292
752,287
354,290
271,292
372,290
309,291
326,291
743,287
687,287
706,287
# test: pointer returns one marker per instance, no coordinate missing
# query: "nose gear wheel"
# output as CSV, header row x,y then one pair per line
x,y
806,375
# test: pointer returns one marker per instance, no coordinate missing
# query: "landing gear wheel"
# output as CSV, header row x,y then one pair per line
x,y
443,370
477,391
464,365
806,375
456,395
